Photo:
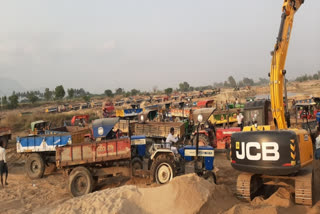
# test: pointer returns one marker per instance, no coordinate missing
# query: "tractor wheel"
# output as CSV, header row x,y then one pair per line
x,y
203,140
162,169
80,182
35,166
136,164
228,153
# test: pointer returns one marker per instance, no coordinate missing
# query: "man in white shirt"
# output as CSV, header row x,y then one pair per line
x,y
240,120
171,139
3,162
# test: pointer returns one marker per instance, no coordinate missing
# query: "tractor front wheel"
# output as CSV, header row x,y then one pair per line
x,y
162,169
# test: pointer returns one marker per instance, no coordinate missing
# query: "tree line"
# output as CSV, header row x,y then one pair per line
x,y
60,93
306,77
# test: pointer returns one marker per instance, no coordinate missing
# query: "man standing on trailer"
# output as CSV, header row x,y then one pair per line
x,y
240,119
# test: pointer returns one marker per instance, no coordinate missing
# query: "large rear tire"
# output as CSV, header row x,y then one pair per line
x,y
203,140
228,153
35,166
80,182
162,169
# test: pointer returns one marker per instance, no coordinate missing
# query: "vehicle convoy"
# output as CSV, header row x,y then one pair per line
x,y
275,154
86,163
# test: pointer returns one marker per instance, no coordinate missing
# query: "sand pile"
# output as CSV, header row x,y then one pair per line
x,y
281,198
184,194
279,202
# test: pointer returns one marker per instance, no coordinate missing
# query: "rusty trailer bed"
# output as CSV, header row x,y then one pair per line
x,y
94,152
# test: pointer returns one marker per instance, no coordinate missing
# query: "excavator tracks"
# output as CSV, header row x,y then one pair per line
x,y
247,185
303,189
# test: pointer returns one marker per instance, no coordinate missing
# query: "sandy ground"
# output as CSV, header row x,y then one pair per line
x,y
185,194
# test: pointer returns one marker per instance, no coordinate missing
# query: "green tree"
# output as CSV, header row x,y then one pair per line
x,y
263,81
184,86
86,98
119,91
13,101
32,97
59,92
226,84
70,93
4,101
248,82
47,94
134,92
108,93
168,91
232,81
127,94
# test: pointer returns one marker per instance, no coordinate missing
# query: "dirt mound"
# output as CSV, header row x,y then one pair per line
x,y
278,202
281,198
245,209
221,199
184,194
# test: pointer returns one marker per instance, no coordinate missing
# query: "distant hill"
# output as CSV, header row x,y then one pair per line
x,y
7,86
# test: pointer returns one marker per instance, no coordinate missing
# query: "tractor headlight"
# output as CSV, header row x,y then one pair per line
x,y
200,118
142,118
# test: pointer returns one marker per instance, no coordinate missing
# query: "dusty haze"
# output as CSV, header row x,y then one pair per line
x,y
102,45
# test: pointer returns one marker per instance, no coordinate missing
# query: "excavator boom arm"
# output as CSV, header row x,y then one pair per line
x,y
279,55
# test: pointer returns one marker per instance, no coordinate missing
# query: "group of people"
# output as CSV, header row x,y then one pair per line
x,y
3,164
226,105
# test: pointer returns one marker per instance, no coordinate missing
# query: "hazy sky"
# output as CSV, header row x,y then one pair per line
x,y
102,45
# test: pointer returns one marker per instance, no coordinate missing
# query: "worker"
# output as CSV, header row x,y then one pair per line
x,y
82,123
171,139
3,164
317,153
227,105
240,119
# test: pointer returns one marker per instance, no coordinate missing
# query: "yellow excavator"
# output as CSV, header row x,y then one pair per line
x,y
275,154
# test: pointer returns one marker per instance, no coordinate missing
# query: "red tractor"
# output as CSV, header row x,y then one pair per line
x,y
219,138
108,110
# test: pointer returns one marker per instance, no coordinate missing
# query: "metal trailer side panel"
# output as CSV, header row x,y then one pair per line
x,y
158,129
42,143
96,152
